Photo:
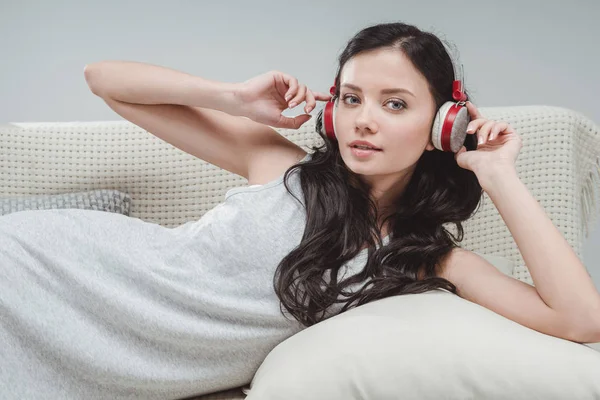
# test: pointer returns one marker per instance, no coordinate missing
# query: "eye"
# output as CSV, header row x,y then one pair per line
x,y
399,104
348,96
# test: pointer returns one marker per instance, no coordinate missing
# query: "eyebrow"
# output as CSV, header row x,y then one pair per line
x,y
383,91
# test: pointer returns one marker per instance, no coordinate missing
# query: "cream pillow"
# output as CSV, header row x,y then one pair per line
x,y
433,345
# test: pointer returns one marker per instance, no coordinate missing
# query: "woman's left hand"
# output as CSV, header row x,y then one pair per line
x,y
497,149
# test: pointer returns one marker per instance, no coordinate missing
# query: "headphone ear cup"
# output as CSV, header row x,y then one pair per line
x,y
450,127
327,126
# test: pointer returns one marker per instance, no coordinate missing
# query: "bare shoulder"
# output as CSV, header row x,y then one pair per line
x,y
459,262
271,160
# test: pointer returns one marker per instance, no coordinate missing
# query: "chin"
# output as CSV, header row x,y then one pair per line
x,y
366,166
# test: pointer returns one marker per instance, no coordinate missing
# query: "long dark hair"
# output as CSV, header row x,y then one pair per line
x,y
341,216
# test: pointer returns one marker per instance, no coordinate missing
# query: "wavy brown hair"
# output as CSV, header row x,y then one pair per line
x,y
341,216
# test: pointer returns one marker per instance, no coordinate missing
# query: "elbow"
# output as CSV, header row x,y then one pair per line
x,y
589,336
586,330
594,324
595,331
91,78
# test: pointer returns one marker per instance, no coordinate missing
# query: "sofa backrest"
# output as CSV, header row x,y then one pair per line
x,y
559,163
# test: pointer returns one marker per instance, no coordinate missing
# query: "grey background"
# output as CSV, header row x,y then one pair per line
x,y
513,52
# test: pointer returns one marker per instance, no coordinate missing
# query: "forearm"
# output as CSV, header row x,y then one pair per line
x,y
141,83
560,278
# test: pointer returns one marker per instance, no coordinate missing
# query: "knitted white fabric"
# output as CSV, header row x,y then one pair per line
x,y
559,163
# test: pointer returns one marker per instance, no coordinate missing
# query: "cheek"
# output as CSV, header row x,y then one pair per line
x,y
411,133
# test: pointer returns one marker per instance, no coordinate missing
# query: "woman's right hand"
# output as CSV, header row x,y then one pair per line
x,y
264,97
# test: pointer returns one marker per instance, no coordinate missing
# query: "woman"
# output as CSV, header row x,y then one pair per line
x,y
105,306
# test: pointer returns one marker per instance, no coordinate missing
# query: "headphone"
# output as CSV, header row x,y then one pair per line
x,y
449,129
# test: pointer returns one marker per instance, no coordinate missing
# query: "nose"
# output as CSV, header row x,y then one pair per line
x,y
365,121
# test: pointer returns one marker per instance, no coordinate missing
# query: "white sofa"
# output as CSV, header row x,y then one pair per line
x,y
559,163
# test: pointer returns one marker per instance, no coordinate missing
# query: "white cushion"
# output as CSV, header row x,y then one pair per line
x,y
432,345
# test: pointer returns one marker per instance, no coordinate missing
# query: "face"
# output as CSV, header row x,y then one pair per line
x,y
399,123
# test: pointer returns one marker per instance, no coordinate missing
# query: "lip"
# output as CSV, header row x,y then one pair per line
x,y
363,153
363,143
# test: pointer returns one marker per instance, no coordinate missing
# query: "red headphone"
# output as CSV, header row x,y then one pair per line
x,y
449,127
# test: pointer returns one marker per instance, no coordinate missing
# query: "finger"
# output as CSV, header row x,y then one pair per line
x,y
484,131
473,111
299,97
292,84
310,101
293,122
474,125
496,129
322,96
